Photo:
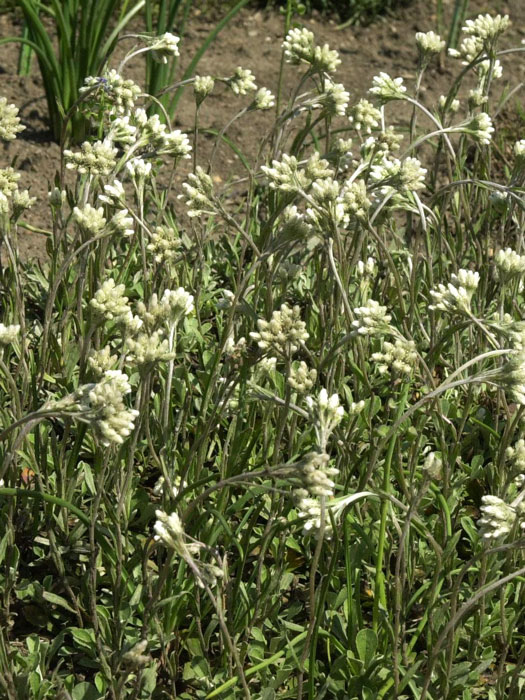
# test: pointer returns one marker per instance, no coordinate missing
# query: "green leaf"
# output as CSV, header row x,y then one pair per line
x,y
57,600
366,643
85,691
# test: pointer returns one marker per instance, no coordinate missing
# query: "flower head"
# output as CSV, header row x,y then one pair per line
x,y
9,121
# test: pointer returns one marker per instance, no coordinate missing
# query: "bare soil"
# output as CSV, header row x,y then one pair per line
x,y
252,40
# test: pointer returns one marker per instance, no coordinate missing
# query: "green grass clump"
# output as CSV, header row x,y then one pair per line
x,y
270,445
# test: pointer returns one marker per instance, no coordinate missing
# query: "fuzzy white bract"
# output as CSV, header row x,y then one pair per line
x,y
283,334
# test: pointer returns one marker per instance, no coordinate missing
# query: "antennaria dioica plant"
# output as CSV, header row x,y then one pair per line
x,y
271,448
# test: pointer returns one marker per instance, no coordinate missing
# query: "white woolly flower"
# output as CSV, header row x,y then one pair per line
x,y
476,98
283,334
387,88
299,46
114,193
8,334
519,148
9,121
199,190
302,378
457,294
517,455
497,518
311,509
364,116
372,319
486,27
366,268
479,127
469,49
202,86
8,181
165,46
97,158
334,99
242,81
120,93
102,406
405,176
110,302
400,356
21,202
164,244
453,106
122,131
509,262
148,348
429,43
89,219
169,531
138,168
101,361
327,413
121,223
325,59
287,176
264,99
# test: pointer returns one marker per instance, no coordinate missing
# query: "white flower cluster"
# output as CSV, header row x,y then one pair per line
x,y
387,88
509,262
429,43
8,182
519,149
326,414
286,175
164,243
118,92
202,87
89,219
155,135
148,348
334,99
9,121
512,376
8,334
264,99
457,294
301,377
164,46
480,41
372,319
242,82
299,47
283,334
364,116
400,356
199,190
354,200
498,518
100,361
479,126
98,158
487,27
173,306
102,406
381,144
401,175
110,302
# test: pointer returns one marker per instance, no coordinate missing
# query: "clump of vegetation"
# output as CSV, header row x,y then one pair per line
x,y
272,448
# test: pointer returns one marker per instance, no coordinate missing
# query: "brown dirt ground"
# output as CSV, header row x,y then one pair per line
x,y
253,41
